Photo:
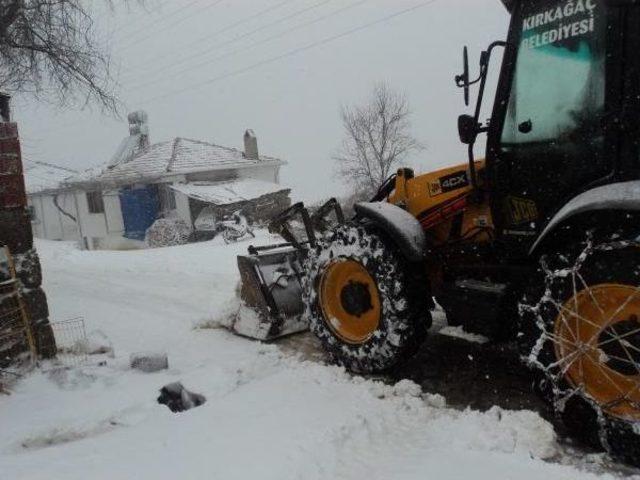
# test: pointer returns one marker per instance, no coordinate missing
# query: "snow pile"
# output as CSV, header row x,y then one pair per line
x,y
236,316
243,320
268,415
97,343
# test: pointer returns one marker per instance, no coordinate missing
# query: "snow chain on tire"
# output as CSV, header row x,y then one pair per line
x,y
403,293
591,375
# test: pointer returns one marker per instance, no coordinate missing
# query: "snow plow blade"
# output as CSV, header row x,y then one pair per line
x,y
271,288
271,276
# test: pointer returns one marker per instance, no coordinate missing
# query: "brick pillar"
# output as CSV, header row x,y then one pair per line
x,y
16,233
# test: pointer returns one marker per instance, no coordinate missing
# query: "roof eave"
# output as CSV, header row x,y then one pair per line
x,y
97,182
233,166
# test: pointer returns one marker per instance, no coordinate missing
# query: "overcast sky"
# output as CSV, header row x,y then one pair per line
x,y
209,69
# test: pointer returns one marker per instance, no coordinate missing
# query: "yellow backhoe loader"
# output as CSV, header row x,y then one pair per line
x,y
537,243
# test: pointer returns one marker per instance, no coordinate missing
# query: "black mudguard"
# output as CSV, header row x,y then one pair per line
x,y
400,225
615,197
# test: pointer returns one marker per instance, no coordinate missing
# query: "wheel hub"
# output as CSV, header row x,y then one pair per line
x,y
355,298
350,301
597,344
623,355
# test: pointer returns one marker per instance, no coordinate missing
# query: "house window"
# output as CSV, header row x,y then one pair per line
x,y
167,198
95,203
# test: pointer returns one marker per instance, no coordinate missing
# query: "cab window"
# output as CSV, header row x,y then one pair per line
x,y
558,88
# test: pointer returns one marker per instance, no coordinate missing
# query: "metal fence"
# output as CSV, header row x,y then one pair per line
x,y
71,342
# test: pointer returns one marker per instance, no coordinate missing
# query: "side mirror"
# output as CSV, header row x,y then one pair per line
x,y
467,129
463,80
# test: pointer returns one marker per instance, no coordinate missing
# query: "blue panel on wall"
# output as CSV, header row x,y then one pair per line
x,y
139,210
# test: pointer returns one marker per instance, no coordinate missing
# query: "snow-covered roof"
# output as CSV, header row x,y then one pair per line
x,y
43,176
225,193
176,157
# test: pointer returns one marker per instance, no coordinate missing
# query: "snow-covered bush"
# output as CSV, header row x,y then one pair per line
x,y
167,232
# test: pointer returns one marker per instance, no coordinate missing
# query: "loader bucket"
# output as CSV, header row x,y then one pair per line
x,y
271,288
270,275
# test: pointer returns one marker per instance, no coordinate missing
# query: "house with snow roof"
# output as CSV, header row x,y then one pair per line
x,y
114,205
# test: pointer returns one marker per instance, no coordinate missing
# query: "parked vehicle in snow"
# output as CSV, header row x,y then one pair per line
x,y
232,228
235,228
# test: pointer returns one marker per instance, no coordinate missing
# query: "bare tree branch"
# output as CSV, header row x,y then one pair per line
x,y
49,47
377,139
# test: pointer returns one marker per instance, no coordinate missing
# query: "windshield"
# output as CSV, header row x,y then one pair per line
x,y
558,86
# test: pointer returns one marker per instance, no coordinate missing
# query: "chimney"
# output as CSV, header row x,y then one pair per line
x,y
251,145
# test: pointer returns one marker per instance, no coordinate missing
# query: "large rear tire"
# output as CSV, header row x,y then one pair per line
x,y
366,303
580,333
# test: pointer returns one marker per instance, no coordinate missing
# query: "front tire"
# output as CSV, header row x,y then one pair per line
x,y
365,302
580,333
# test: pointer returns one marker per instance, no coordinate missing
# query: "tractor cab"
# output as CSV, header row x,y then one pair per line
x,y
567,86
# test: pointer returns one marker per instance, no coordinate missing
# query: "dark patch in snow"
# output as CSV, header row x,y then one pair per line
x,y
178,399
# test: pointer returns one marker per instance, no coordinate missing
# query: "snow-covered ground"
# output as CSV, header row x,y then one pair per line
x,y
269,413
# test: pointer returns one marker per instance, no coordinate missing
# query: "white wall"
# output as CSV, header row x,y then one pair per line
x,y
94,230
213,176
92,225
266,173
182,207
49,222
37,225
113,213
100,229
